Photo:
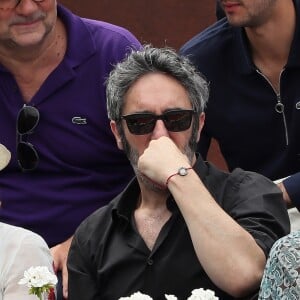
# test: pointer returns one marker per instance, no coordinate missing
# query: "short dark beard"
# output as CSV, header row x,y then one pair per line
x,y
133,157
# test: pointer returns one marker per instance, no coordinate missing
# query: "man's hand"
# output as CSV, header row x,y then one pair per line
x,y
286,196
161,159
60,254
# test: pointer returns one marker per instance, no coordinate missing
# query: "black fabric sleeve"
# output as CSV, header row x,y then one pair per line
x,y
81,283
258,206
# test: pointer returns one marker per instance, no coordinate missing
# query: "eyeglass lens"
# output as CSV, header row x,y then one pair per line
x,y
28,119
27,156
144,123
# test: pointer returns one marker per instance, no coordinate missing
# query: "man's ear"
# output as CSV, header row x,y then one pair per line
x,y
201,124
114,129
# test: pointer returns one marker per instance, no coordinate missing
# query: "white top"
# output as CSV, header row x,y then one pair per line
x,y
19,250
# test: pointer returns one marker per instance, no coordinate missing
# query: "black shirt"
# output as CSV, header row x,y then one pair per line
x,y
108,258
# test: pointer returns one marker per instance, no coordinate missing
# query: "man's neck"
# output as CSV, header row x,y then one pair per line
x,y
272,40
151,214
31,68
49,52
151,198
270,43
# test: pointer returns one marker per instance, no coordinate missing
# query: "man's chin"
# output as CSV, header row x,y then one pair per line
x,y
28,40
152,185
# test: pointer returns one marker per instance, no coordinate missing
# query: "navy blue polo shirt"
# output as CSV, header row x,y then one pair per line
x,y
241,112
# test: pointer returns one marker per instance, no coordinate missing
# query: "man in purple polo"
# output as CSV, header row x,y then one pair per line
x,y
53,119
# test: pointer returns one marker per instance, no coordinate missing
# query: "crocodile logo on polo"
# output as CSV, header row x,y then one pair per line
x,y
79,121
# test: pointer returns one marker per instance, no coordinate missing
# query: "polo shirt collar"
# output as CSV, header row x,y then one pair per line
x,y
243,63
80,44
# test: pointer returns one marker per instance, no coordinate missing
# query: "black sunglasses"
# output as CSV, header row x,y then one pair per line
x,y
175,120
28,118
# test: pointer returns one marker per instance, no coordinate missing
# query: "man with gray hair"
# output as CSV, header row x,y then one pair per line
x,y
181,224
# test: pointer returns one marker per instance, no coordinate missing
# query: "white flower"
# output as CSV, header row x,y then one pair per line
x,y
39,280
171,297
38,277
197,294
201,294
137,296
4,157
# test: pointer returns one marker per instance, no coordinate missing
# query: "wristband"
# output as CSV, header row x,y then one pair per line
x,y
182,171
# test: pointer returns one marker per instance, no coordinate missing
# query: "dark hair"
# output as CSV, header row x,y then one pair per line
x,y
151,60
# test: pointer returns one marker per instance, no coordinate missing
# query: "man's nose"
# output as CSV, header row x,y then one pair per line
x,y
26,7
159,130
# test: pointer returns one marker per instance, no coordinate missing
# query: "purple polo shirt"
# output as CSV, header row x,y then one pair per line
x,y
80,167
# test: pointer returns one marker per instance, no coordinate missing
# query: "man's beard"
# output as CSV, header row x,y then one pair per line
x,y
132,155
257,16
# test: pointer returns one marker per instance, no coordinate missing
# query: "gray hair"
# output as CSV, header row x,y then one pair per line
x,y
151,60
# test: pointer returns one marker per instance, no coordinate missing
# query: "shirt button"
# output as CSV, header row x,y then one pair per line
x,y
298,105
150,262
